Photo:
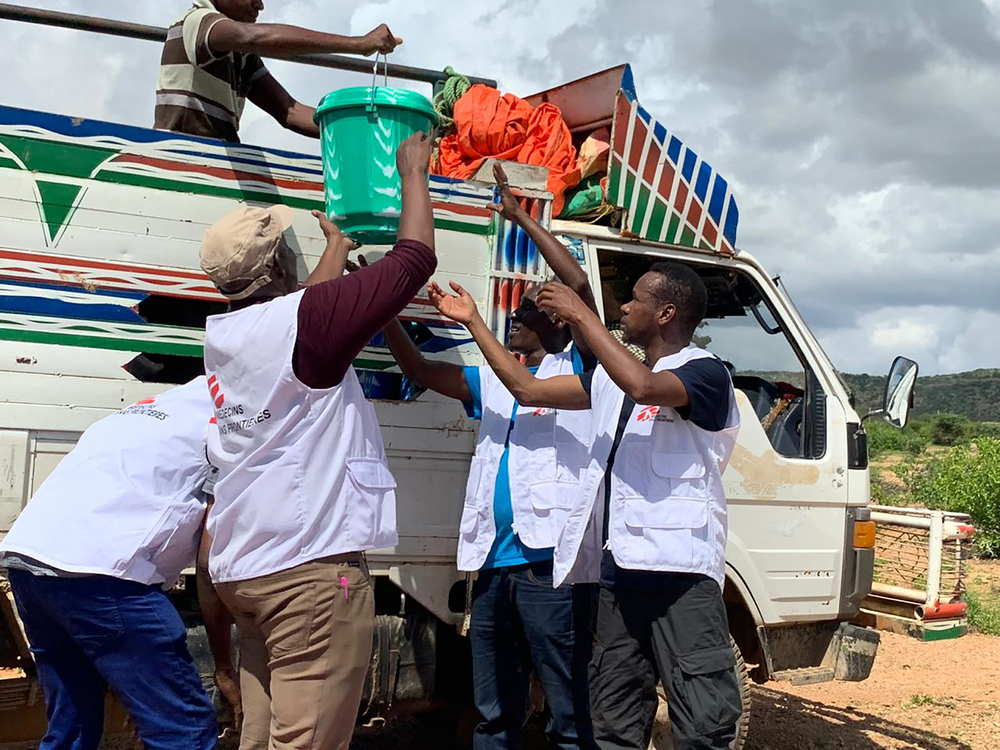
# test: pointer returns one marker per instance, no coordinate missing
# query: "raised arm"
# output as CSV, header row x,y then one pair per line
x,y
561,392
638,382
281,40
416,221
563,265
444,377
334,259
338,317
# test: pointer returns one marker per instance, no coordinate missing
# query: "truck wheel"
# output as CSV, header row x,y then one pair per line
x,y
661,728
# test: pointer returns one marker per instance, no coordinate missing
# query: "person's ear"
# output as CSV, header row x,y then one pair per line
x,y
667,313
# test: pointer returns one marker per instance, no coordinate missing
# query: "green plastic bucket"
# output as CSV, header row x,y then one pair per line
x,y
361,128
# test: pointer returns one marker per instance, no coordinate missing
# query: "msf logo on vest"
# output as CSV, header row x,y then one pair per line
x,y
652,414
145,408
227,415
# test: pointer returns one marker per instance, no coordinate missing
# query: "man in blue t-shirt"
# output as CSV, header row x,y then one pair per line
x,y
526,465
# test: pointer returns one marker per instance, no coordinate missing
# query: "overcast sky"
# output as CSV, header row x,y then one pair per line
x,y
862,138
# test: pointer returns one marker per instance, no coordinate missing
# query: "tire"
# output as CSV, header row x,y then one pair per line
x,y
661,727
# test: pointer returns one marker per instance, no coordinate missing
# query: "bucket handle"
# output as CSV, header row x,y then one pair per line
x,y
372,107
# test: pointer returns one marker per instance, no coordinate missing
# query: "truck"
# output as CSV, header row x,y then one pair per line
x,y
103,304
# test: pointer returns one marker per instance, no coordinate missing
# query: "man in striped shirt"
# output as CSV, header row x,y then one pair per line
x,y
211,65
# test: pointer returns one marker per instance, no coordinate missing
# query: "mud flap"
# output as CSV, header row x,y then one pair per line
x,y
854,651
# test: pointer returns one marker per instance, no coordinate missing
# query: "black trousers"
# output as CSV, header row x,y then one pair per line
x,y
675,631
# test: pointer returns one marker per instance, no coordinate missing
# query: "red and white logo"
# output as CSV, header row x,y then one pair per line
x,y
215,389
648,413
542,411
145,402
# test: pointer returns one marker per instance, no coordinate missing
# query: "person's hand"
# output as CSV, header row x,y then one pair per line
x,y
230,689
508,207
461,308
334,237
379,41
352,267
414,154
561,301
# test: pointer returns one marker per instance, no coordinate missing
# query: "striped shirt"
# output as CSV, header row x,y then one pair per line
x,y
199,92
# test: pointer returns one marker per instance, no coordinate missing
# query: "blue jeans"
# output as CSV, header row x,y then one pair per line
x,y
89,632
518,622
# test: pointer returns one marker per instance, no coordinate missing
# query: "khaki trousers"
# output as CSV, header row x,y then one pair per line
x,y
305,646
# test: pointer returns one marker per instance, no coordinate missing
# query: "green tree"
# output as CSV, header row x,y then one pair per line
x,y
949,429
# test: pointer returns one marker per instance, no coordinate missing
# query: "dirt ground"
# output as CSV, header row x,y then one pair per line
x,y
924,696
920,696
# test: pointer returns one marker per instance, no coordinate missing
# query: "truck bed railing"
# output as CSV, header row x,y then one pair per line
x,y
129,30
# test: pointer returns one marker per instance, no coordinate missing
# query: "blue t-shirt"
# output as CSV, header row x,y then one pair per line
x,y
508,550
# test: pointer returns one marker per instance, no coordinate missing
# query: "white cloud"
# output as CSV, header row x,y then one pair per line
x,y
861,137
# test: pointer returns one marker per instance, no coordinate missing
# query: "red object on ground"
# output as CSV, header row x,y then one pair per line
x,y
491,125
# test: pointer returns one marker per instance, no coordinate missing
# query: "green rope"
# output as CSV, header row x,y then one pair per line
x,y
454,89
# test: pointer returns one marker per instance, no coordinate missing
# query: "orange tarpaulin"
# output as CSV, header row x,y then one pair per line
x,y
491,125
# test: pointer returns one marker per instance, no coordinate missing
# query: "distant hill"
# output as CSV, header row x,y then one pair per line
x,y
975,394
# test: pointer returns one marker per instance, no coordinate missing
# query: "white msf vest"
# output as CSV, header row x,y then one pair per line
x,y
668,503
126,502
548,450
302,472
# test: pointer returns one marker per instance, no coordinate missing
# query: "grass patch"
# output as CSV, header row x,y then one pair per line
x,y
920,700
984,613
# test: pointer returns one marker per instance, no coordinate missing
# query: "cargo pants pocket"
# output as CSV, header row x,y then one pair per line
x,y
706,697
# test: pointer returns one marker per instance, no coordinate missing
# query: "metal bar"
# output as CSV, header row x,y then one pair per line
x,y
899,592
897,511
159,34
947,611
887,606
934,556
909,522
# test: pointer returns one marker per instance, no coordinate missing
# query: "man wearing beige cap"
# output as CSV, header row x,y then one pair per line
x,y
304,488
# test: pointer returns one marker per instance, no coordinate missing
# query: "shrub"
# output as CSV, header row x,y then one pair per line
x,y
949,429
984,429
884,438
966,480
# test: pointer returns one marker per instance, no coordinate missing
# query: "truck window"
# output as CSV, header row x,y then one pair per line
x,y
743,331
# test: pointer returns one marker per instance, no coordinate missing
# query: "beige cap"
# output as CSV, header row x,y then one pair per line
x,y
238,251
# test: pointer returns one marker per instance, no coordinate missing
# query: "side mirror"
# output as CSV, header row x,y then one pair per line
x,y
899,391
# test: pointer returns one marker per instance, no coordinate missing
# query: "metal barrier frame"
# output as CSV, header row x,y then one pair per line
x,y
942,527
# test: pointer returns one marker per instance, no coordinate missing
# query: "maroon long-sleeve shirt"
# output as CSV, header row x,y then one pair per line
x,y
339,317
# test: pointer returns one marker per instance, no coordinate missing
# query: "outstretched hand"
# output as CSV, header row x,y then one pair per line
x,y
379,41
459,307
508,207
351,266
563,302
